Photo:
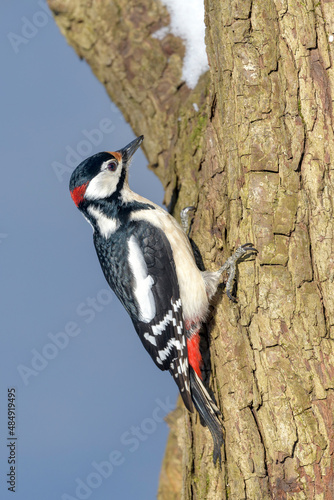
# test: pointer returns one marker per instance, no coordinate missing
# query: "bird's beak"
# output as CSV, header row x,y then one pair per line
x,y
128,151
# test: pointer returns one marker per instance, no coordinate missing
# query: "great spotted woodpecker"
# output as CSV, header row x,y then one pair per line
x,y
147,259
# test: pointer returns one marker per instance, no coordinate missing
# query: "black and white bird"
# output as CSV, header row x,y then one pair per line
x,y
147,260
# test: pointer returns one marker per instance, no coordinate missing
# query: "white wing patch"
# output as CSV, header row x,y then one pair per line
x,y
176,305
143,282
150,338
107,225
163,354
161,327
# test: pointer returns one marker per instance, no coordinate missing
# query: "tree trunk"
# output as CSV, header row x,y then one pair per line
x,y
255,160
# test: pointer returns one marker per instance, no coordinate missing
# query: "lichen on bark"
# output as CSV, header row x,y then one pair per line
x,y
255,160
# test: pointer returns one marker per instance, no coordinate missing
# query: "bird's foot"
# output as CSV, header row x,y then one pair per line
x,y
184,215
231,266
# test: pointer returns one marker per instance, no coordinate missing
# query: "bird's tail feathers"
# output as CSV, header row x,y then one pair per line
x,y
208,411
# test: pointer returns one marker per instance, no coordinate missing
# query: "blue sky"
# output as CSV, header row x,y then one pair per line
x,y
89,400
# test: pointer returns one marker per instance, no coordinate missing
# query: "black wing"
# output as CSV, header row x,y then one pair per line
x,y
148,288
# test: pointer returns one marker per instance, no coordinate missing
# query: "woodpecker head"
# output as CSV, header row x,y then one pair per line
x,y
102,175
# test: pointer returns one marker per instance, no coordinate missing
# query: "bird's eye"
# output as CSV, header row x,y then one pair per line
x,y
112,165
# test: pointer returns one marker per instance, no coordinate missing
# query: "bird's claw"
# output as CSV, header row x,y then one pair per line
x,y
230,266
248,247
231,297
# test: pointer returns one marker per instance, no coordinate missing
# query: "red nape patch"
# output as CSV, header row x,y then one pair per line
x,y
194,354
78,193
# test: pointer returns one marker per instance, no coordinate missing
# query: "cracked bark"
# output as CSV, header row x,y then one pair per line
x,y
255,160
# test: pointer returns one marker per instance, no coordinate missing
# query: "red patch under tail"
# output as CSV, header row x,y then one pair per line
x,y
194,353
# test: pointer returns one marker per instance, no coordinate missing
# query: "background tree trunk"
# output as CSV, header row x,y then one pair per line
x,y
255,160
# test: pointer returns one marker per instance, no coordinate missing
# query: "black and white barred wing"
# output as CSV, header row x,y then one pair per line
x,y
159,321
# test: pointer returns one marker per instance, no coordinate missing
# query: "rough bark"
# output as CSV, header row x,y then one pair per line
x,y
255,160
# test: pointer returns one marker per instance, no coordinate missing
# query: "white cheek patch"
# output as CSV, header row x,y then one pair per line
x,y
103,185
143,282
107,225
